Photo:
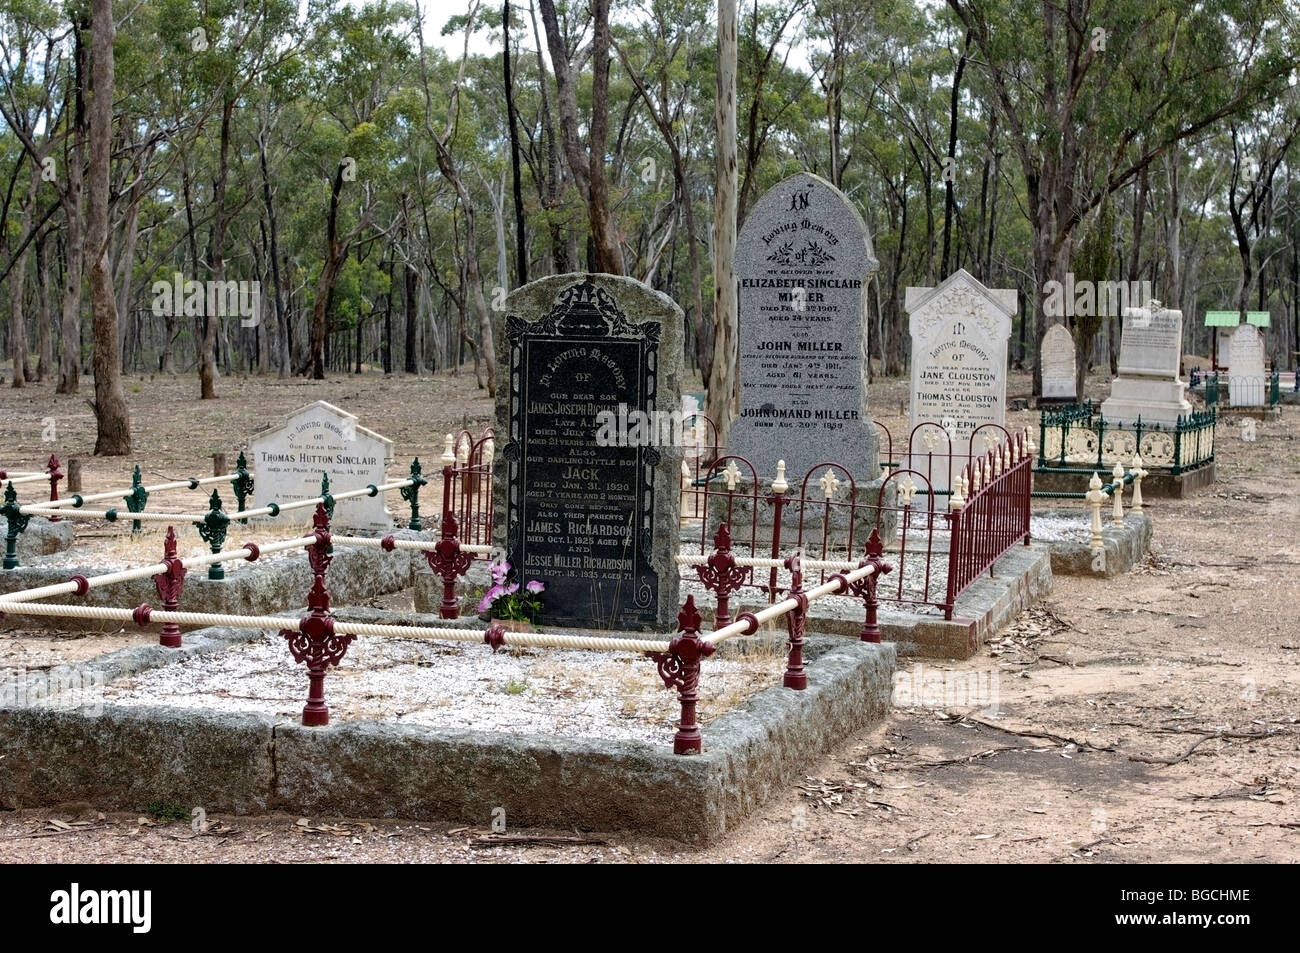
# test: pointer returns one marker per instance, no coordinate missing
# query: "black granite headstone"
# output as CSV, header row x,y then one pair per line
x,y
594,519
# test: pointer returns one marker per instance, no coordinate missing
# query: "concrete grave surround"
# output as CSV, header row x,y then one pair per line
x,y
321,438
597,523
1056,355
959,358
1150,348
1246,384
127,757
804,262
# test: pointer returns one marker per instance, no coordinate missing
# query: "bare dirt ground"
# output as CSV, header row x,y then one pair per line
x,y
1151,718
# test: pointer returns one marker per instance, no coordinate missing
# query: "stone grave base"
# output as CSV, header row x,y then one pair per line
x,y
1228,413
1125,547
41,538
1153,401
125,758
1157,484
355,575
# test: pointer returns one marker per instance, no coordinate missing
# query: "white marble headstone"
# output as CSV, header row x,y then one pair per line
x,y
1056,355
1150,348
1246,382
959,359
321,438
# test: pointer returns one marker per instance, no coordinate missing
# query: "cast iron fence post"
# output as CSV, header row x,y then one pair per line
x,y
795,676
242,484
679,668
212,530
136,499
411,494
52,468
721,575
169,583
17,523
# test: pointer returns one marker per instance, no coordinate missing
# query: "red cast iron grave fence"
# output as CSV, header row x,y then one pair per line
x,y
940,540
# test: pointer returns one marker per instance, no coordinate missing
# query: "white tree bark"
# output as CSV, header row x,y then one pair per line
x,y
722,401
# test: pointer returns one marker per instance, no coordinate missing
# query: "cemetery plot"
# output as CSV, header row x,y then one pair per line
x,y
1148,388
518,691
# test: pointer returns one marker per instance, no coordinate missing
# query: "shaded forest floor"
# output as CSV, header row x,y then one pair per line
x,y
1153,717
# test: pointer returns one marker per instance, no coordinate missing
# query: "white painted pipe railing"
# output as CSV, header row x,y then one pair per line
x,y
127,575
272,509
157,488
43,510
370,542
767,562
275,623
778,609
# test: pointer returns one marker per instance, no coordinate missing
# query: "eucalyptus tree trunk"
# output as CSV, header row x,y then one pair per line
x,y
70,331
113,430
44,336
723,396
17,285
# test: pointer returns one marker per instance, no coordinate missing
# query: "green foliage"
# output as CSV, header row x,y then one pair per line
x,y
167,812
325,87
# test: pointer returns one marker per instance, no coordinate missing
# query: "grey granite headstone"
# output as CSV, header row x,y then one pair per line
x,y
1246,384
1150,348
589,403
1056,355
804,263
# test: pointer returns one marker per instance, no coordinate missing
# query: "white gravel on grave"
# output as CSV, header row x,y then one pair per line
x,y
572,693
1052,529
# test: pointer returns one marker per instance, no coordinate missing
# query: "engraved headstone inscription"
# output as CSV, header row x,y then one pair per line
x,y
586,500
804,263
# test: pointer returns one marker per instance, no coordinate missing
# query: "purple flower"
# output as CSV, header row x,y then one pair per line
x,y
535,587
511,589
499,571
488,598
